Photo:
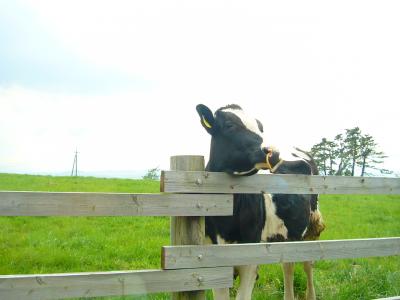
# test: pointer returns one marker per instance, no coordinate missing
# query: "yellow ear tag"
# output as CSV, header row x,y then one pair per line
x,y
206,123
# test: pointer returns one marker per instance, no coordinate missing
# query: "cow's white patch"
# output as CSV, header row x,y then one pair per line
x,y
273,224
250,123
304,232
221,241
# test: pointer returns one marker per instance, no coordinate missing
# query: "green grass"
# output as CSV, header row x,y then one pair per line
x,y
74,244
17,182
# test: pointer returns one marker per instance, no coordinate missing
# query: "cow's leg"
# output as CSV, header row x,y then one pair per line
x,y
288,274
247,275
219,294
308,268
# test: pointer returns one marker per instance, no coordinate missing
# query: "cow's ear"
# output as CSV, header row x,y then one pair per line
x,y
206,118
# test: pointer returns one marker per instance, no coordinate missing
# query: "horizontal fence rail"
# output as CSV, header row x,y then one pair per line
x,y
118,283
211,182
113,204
177,257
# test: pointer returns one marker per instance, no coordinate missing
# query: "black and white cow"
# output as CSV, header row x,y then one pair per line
x,y
237,148
293,217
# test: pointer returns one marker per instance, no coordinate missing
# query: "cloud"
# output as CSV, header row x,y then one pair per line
x,y
39,131
31,55
120,81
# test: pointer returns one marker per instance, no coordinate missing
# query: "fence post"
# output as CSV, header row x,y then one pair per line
x,y
187,230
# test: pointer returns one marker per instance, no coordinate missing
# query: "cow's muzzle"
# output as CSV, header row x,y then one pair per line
x,y
272,160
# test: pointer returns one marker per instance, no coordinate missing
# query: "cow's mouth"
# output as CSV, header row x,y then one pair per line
x,y
265,165
272,160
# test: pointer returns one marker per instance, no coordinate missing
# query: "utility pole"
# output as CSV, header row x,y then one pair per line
x,y
75,164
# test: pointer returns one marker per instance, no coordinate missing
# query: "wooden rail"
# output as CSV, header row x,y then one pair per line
x,y
209,182
177,257
112,204
56,286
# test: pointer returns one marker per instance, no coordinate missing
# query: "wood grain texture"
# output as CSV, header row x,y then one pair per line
x,y
270,253
57,286
113,204
212,182
187,230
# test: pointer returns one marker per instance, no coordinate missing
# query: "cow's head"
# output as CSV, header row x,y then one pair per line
x,y
236,140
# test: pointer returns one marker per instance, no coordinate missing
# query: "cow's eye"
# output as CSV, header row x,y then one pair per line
x,y
230,126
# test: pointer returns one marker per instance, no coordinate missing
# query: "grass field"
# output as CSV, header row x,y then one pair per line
x,y
74,244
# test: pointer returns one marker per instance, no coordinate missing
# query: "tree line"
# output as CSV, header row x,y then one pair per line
x,y
348,153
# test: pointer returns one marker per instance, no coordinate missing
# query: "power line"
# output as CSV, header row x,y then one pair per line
x,y
75,164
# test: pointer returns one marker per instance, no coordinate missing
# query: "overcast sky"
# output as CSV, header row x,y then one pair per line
x,y
119,80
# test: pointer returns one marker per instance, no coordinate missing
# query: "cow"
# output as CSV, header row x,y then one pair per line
x,y
237,147
293,217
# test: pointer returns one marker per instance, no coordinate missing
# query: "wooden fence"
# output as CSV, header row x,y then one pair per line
x,y
187,267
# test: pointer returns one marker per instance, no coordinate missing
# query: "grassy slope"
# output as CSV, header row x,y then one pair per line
x,y
71,244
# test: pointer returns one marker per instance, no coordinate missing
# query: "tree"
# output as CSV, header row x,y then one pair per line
x,y
319,155
152,174
346,152
369,155
324,156
353,140
341,153
331,157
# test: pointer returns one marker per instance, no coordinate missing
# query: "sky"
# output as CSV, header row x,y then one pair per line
x,y
119,80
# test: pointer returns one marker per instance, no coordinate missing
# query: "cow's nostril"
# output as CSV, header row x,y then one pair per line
x,y
265,150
